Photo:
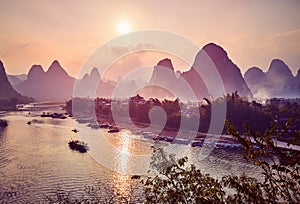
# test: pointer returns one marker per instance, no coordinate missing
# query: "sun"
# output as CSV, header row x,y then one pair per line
x,y
123,27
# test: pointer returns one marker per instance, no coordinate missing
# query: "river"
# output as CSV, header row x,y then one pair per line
x,y
36,161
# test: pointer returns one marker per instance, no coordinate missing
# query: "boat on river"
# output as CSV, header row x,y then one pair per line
x,y
54,115
197,143
3,123
104,125
78,146
75,130
113,129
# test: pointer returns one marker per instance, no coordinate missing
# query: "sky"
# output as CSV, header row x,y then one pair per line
x,y
252,32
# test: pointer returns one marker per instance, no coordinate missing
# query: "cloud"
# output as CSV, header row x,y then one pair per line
x,y
22,55
119,50
286,41
286,46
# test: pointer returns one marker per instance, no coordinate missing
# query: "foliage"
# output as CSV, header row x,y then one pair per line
x,y
239,111
103,194
280,166
177,182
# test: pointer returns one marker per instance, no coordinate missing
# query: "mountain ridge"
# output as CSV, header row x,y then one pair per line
x,y
53,84
277,81
255,82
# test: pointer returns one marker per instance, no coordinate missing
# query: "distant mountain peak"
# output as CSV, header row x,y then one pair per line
x,y
55,62
279,68
56,69
54,84
253,71
166,63
278,81
95,73
213,56
35,71
55,65
215,51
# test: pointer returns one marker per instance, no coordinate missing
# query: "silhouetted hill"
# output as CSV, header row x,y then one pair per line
x,y
230,73
278,81
91,85
210,57
87,86
163,78
55,84
8,96
256,79
163,73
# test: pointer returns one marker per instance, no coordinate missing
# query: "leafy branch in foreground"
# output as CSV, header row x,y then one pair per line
x,y
280,166
178,182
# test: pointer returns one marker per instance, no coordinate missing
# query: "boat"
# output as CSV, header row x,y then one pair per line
x,y
75,130
168,138
59,116
184,141
113,129
53,115
85,120
159,138
197,143
104,125
93,125
164,138
78,146
3,123
46,115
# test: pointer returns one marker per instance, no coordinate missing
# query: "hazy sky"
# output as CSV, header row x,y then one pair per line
x,y
252,32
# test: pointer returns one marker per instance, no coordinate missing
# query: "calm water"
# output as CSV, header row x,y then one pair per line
x,y
35,159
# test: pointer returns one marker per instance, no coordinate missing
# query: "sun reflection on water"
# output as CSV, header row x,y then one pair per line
x,y
122,186
122,180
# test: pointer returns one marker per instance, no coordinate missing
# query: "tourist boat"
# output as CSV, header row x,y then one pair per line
x,y
75,130
184,141
104,125
93,125
78,146
197,143
164,138
54,115
59,116
46,115
168,138
3,123
113,129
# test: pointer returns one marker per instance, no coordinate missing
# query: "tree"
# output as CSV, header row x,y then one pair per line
x,y
177,182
